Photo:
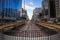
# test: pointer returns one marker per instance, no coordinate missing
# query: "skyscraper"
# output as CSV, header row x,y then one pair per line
x,y
11,7
53,8
45,8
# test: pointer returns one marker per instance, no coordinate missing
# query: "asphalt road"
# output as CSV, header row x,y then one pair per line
x,y
28,30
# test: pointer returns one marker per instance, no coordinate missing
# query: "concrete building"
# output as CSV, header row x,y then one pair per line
x,y
36,13
57,5
45,9
24,13
53,8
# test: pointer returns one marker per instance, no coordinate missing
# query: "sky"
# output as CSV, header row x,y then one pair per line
x,y
30,5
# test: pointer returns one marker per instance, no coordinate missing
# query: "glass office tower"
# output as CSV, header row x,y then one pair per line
x,y
11,8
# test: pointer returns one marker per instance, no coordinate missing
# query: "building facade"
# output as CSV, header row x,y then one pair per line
x,y
57,2
24,13
12,9
12,14
53,8
45,9
36,13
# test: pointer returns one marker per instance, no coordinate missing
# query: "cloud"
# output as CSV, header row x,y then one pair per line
x,y
30,17
28,7
31,3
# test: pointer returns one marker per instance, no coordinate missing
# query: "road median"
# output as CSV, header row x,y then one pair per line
x,y
49,26
11,25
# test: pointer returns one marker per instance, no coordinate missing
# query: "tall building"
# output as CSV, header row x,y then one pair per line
x,y
53,8
24,13
36,13
11,8
57,5
18,13
45,8
11,14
